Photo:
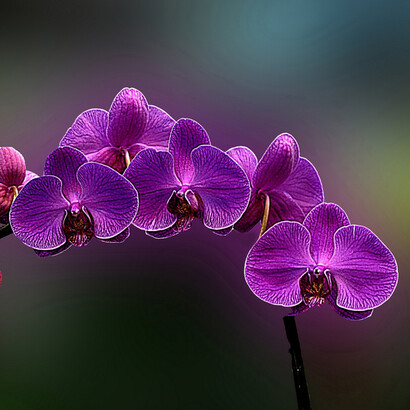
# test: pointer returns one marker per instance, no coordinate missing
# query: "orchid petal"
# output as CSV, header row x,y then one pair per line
x,y
185,137
304,186
322,222
52,252
277,163
158,129
276,263
164,234
245,158
345,313
110,199
29,176
6,199
222,186
113,157
152,174
37,213
64,163
89,132
120,238
363,267
283,207
127,118
252,215
12,167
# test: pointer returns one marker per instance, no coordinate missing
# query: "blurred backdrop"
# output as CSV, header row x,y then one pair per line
x,y
171,324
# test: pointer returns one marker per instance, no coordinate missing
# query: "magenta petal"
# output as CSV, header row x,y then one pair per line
x,y
322,222
89,132
223,232
12,167
222,186
120,238
6,199
113,157
110,199
186,136
127,118
252,215
152,174
304,186
64,163
347,314
52,252
277,163
29,176
158,129
363,267
164,234
277,261
37,213
245,158
283,208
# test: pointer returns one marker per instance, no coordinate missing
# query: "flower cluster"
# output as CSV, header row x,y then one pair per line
x,y
136,165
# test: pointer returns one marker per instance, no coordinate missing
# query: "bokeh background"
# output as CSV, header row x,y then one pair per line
x,y
172,324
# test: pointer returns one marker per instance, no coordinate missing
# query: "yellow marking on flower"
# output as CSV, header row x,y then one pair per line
x,y
15,192
265,215
127,158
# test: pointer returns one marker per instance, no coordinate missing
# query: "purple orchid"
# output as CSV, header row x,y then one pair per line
x,y
325,258
284,185
115,137
193,180
73,202
13,177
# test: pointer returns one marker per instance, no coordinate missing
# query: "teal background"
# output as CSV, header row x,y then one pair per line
x,y
172,324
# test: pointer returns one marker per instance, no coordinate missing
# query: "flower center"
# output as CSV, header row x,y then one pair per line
x,y
78,226
186,205
316,286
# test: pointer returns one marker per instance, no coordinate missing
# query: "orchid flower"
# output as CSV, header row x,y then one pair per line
x,y
13,177
324,259
75,201
114,138
284,185
193,180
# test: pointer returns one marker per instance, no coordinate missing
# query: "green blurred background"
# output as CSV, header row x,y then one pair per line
x,y
172,324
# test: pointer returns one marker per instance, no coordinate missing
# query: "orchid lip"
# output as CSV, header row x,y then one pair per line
x,y
78,225
316,285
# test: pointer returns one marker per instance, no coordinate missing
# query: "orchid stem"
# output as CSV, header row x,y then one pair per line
x,y
5,231
265,215
302,392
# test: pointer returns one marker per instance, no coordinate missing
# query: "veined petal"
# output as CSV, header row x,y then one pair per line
x,y
120,238
29,176
113,157
363,267
322,222
6,199
245,158
283,208
164,234
277,163
89,132
152,174
222,185
185,137
276,263
37,213
110,199
127,118
64,163
345,313
12,167
52,252
252,215
304,186
158,129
